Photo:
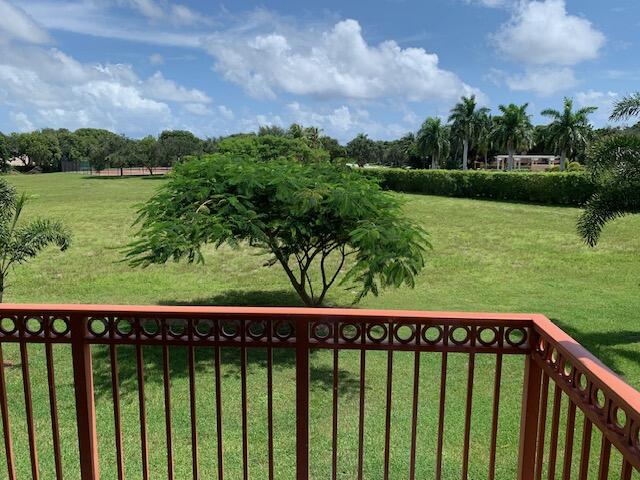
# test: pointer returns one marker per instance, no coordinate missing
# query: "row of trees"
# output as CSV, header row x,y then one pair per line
x,y
50,149
472,132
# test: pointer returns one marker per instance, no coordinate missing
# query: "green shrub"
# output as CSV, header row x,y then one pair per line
x,y
567,188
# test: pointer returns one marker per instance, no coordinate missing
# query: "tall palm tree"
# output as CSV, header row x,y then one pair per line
x,y
513,129
627,107
433,140
568,130
465,120
20,242
485,136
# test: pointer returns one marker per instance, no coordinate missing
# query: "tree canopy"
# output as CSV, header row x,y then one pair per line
x,y
313,219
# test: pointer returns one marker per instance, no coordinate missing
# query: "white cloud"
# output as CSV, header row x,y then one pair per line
x,y
197,109
156,59
161,88
226,112
542,32
335,63
490,3
21,121
544,81
148,8
15,24
603,100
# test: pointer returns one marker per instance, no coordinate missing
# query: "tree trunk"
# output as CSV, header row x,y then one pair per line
x,y
121,171
563,161
1,294
510,161
465,154
485,160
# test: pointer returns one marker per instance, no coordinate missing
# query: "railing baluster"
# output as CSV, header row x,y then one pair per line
x,y
441,411
529,419
53,406
166,380
387,420
218,412
334,426
568,444
555,426
302,398
117,415
143,414
542,425
6,424
414,415
243,395
28,404
494,417
361,410
605,457
625,472
269,332
85,407
195,467
586,449
467,416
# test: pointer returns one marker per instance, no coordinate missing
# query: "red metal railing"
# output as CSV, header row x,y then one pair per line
x,y
550,443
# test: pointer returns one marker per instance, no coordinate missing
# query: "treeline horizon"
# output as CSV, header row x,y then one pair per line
x,y
470,135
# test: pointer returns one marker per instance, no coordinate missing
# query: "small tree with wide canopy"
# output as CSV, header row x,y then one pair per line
x,y
317,221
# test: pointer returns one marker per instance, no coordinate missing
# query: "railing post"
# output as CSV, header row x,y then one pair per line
x,y
529,418
85,408
302,398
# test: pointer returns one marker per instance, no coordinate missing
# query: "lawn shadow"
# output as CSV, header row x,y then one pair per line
x,y
608,346
243,298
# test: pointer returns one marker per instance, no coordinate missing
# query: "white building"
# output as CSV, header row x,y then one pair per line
x,y
524,162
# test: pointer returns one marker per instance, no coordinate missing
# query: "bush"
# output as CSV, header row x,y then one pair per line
x,y
568,188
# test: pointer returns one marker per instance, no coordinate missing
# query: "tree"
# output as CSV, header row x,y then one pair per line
x,y
615,166
485,137
4,153
266,148
147,152
332,147
629,106
20,242
513,129
568,131
315,220
466,119
39,149
274,130
174,145
433,140
362,149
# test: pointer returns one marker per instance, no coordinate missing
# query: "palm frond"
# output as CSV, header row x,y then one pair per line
x,y
28,240
627,107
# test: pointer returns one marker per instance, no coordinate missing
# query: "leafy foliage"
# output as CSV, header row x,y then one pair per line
x,y
466,121
629,106
615,166
513,129
362,149
20,242
314,219
433,140
267,148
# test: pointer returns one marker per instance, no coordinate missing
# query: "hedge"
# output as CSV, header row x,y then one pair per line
x,y
567,188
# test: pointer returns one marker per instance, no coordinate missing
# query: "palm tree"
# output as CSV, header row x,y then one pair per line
x,y
568,130
627,107
513,129
485,136
433,139
20,242
465,120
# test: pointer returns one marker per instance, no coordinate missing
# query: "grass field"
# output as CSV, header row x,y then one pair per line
x,y
487,256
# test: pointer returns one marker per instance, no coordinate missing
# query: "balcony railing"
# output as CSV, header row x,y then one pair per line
x,y
463,377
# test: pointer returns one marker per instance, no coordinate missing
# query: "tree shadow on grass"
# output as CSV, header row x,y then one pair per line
x,y
609,346
243,298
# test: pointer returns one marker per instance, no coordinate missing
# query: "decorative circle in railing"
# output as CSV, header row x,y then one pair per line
x,y
177,327
459,335
59,326
516,336
284,330
8,325
404,333
581,382
321,331
34,325
377,332
432,334
619,417
567,371
150,327
124,327
229,329
598,399
553,357
488,336
203,328
350,332
256,330
98,326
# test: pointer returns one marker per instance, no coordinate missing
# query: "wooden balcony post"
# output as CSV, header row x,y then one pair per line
x,y
529,419
85,408
302,398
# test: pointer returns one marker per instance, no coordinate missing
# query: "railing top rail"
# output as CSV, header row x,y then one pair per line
x,y
191,311
584,360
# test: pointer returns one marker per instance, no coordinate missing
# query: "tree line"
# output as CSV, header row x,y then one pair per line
x,y
470,136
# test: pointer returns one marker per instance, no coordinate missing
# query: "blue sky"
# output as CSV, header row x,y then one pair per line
x,y
140,66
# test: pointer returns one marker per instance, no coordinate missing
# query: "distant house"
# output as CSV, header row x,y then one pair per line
x,y
522,162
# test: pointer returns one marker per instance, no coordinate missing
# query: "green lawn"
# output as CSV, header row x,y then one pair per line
x,y
487,256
